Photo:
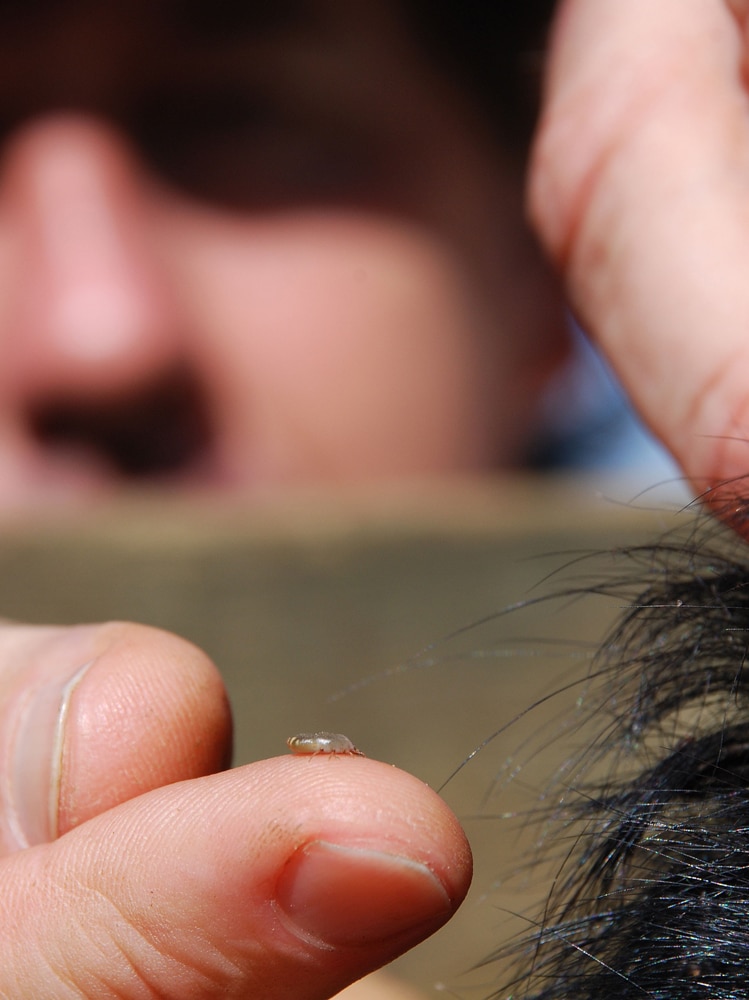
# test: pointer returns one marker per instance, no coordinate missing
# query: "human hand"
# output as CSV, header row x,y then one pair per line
x,y
130,869
639,188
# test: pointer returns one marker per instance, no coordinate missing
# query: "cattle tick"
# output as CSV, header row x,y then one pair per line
x,y
311,744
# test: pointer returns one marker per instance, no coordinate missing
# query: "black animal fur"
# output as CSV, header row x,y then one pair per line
x,y
653,898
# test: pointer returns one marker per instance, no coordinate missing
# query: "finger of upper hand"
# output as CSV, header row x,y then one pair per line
x,y
640,189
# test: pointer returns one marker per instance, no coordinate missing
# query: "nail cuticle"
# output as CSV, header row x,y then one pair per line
x,y
35,771
58,746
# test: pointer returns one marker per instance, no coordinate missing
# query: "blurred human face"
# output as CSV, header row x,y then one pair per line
x,y
245,247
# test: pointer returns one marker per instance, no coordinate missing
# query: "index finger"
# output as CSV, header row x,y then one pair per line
x,y
640,189
287,877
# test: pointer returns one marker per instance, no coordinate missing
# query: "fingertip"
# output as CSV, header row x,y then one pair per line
x,y
407,817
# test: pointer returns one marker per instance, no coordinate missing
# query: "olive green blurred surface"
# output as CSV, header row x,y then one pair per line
x,y
355,613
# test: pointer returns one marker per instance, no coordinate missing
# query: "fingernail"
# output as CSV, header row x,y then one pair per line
x,y
33,792
354,896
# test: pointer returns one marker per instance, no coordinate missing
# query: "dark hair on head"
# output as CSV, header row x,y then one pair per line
x,y
493,49
652,900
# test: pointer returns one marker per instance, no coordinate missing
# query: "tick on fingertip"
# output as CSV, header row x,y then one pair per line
x,y
310,744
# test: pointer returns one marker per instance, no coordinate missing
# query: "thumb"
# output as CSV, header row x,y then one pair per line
x,y
289,877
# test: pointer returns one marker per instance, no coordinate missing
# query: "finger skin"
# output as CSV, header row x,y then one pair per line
x,y
639,188
93,715
184,892
166,703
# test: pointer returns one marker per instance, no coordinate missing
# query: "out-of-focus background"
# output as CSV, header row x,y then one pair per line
x,y
340,612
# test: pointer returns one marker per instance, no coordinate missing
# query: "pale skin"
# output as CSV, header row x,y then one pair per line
x,y
639,190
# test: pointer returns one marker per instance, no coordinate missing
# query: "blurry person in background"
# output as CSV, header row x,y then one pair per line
x,y
247,246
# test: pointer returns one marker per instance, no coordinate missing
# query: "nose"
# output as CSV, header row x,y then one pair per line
x,y
88,313
92,352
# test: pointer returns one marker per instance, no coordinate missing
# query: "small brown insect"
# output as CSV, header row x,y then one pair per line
x,y
314,743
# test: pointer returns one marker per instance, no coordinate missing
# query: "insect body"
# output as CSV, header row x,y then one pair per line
x,y
314,743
